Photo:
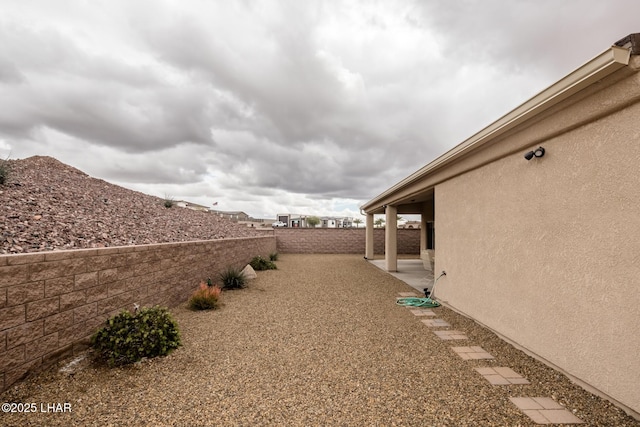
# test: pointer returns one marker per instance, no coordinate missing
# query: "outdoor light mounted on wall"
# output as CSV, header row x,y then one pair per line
x,y
538,152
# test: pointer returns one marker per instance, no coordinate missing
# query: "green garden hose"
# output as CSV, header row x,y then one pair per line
x,y
417,302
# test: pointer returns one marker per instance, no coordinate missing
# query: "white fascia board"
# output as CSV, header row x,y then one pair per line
x,y
599,67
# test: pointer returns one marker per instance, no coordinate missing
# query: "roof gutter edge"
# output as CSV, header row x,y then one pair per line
x,y
599,67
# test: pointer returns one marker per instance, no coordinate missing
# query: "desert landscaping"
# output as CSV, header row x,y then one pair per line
x,y
318,341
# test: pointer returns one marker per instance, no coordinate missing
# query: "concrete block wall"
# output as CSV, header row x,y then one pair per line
x,y
342,240
52,302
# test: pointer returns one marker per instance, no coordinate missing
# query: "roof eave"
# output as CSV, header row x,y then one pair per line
x,y
599,67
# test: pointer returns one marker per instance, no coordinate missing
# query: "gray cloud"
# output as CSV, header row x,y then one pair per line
x,y
278,105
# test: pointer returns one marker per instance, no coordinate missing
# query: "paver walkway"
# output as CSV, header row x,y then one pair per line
x,y
541,410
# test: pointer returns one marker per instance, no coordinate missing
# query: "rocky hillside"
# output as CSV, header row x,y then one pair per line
x,y
46,205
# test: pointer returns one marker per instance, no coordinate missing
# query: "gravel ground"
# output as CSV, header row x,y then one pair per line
x,y
320,341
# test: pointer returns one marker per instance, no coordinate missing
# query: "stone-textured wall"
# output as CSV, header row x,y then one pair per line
x,y
52,302
342,240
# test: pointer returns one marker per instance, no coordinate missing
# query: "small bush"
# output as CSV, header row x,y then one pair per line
x,y
127,338
259,263
273,256
205,298
4,171
232,278
168,203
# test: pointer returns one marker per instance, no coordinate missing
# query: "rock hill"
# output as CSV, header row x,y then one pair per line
x,y
47,205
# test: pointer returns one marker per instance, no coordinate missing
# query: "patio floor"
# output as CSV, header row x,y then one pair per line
x,y
411,272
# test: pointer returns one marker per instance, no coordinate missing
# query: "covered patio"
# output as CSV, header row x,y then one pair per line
x,y
412,200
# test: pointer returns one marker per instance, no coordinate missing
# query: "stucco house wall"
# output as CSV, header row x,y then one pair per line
x,y
547,251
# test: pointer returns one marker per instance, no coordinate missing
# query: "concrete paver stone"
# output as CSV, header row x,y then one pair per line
x,y
507,372
422,312
502,376
472,353
496,380
407,294
544,410
450,335
436,323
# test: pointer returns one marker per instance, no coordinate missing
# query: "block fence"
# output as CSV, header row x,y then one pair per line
x,y
342,240
52,302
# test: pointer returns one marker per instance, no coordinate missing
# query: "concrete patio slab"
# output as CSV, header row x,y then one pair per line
x,y
410,271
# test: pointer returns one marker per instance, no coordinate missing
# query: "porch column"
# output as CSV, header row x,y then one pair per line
x,y
426,216
423,230
368,245
391,238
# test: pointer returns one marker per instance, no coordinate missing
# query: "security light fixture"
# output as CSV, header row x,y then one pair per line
x,y
538,152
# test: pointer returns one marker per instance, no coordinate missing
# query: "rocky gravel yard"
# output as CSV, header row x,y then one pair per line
x,y
318,342
46,205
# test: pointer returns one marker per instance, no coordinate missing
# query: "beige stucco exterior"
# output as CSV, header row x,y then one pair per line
x,y
546,252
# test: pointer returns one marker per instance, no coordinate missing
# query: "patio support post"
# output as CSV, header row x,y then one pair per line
x,y
423,228
368,250
391,238
425,217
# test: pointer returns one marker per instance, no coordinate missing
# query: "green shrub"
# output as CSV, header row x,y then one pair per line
x,y
168,203
273,256
127,338
4,171
259,263
232,278
206,297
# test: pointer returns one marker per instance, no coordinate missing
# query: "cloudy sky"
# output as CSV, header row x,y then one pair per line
x,y
278,106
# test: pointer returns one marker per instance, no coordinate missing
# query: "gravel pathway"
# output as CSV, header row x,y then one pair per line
x,y
320,341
